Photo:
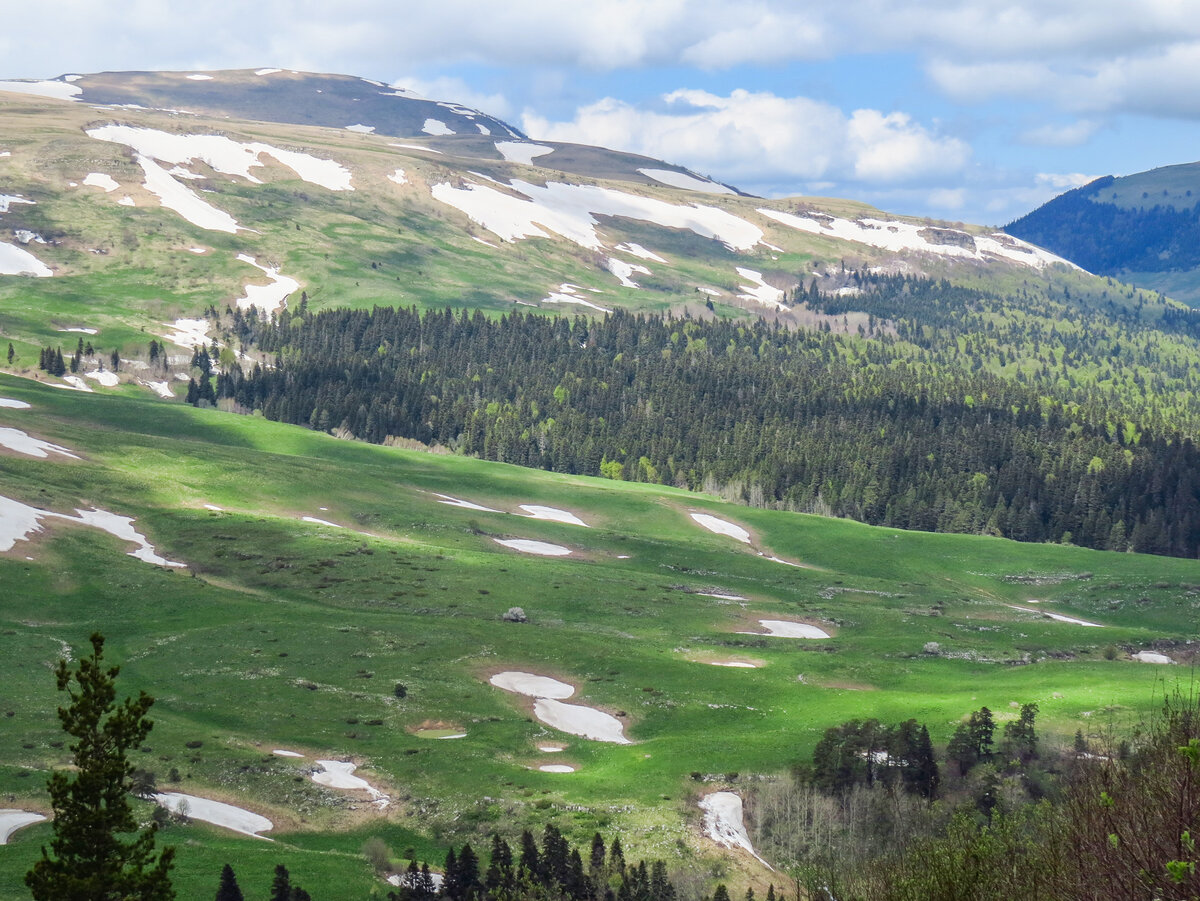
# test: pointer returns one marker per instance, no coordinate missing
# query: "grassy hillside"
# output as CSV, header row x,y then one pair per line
x,y
282,633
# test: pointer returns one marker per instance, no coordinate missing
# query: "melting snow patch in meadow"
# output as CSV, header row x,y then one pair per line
x,y
722,527
188,332
623,271
16,440
532,685
896,235
104,377
398,177
219,814
721,597
24,235
556,768
121,527
321,522
534,511
75,383
521,152
466,505
529,546
9,403
570,210
738,664
779,628
567,293
361,129
128,201
415,147
59,90
1151,657
174,196
162,389
685,181
213,507
339,774
12,820
723,823
82,331
1059,617
198,77
639,251
7,200
548,694
266,298
436,127
19,261
760,291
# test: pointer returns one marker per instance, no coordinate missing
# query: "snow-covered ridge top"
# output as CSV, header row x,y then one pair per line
x,y
896,235
224,154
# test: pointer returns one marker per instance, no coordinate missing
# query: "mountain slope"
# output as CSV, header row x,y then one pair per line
x,y
1142,228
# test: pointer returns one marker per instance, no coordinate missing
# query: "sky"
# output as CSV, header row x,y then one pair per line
x,y
956,109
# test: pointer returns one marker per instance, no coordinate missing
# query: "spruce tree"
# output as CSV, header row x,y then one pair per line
x,y
228,890
281,885
88,860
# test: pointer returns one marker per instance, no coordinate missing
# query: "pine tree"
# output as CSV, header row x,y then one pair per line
x,y
87,859
228,890
11,353
281,885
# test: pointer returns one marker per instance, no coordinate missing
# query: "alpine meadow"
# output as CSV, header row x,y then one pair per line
x,y
396,506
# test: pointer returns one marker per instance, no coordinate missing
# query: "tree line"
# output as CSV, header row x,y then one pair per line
x,y
809,421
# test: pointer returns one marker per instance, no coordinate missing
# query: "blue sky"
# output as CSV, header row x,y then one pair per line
x,y
956,109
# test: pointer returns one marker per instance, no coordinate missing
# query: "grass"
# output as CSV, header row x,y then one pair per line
x,y
289,634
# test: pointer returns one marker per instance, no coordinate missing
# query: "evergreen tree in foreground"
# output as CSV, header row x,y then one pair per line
x,y
229,890
88,860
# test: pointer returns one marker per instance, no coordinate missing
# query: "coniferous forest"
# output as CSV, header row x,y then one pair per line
x,y
876,428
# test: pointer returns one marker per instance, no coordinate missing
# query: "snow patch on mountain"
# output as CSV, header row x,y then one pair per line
x,y
437,127
100,180
59,90
570,210
522,151
685,181
266,298
623,271
760,291
639,251
896,235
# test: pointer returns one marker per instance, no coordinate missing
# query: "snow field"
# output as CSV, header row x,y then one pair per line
x,y
548,706
759,291
267,298
522,152
23,443
569,211
685,181
780,628
10,404
723,823
216,812
529,546
722,527
436,127
12,820
534,511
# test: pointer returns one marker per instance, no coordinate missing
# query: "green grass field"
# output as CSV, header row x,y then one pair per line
x,y
288,634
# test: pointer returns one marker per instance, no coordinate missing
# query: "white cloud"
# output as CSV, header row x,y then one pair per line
x,y
755,138
1063,181
1070,134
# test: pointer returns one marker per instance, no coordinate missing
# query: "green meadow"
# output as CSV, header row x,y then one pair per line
x,y
287,634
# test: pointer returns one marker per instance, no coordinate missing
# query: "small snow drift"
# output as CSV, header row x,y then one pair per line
x,y
534,511
12,820
556,768
11,404
219,814
522,152
19,261
568,293
760,291
104,377
736,664
466,505
340,774
639,251
724,825
267,298
18,521
721,527
279,752
532,686
623,270
529,546
436,127
1058,616
1152,657
398,177
574,719
101,180
685,181
22,443
779,628
320,522
188,332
